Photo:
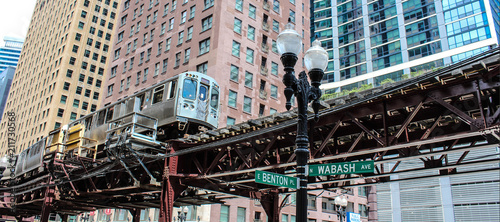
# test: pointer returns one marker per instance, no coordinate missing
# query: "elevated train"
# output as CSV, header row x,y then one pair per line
x,y
185,103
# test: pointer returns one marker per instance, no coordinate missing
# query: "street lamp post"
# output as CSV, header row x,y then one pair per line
x,y
289,44
340,207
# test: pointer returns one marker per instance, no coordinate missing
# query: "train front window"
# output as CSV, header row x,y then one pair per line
x,y
203,93
158,95
189,89
214,101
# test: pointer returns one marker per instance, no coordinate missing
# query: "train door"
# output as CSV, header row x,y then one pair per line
x,y
202,102
213,117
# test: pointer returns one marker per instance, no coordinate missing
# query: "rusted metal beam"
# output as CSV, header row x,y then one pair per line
x,y
364,128
463,116
407,121
327,138
355,143
216,160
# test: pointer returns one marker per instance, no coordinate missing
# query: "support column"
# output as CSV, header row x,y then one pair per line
x,y
136,214
171,187
48,202
64,218
270,202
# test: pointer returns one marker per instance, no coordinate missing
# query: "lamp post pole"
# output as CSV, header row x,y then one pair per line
x,y
289,43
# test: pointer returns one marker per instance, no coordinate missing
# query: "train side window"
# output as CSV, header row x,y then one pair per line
x,y
88,123
101,117
109,114
158,94
189,89
172,86
141,99
214,101
203,93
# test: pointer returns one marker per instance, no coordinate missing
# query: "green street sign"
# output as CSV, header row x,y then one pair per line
x,y
341,168
275,179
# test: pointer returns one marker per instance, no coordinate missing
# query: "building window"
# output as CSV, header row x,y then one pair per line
x,y
165,62
274,47
60,112
192,12
209,3
63,99
311,202
181,38
72,116
81,25
85,105
202,68
274,91
81,78
276,26
224,209
167,44
206,23
189,33
274,68
174,4
252,11
163,27
66,86
251,33
234,73
237,26
165,9
187,53
230,121
204,46
292,16
146,72
78,90
241,214
236,49
96,96
171,24
363,210
248,79
276,6
272,111
232,98
247,104
249,55
284,218
75,49
239,5
110,89
78,36
157,69
76,103
177,59
183,16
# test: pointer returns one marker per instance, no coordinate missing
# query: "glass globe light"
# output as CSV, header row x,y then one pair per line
x,y
289,41
316,57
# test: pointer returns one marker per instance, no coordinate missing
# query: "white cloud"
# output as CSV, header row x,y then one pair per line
x,y
15,17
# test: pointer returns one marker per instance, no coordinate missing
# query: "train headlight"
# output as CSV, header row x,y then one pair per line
x,y
185,105
191,106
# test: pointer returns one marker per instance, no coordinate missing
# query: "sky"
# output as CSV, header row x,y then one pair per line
x,y
15,16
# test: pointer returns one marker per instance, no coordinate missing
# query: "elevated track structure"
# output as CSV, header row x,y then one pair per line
x,y
454,109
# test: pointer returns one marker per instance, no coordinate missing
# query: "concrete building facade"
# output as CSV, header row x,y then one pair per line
x,y
370,41
10,52
61,68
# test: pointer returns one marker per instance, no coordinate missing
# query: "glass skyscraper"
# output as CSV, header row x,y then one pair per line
x,y
371,41
10,52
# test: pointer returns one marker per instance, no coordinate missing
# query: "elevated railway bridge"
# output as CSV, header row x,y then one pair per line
x,y
455,109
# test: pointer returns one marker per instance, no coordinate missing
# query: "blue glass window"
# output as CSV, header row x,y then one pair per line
x,y
189,89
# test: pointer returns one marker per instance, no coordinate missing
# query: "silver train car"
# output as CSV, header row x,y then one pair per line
x,y
181,104
185,103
